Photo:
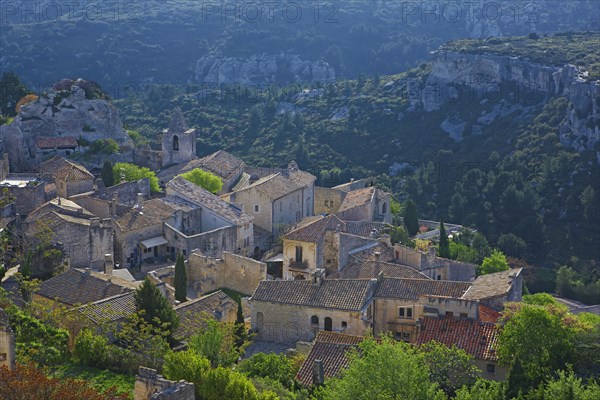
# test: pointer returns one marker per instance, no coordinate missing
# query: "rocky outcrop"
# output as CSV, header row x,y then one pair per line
x,y
262,70
476,76
71,108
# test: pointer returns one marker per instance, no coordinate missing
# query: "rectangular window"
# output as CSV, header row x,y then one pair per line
x,y
406,336
369,311
405,312
256,208
326,203
449,314
464,315
491,368
401,312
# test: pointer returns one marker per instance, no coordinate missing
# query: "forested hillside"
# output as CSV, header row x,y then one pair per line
x,y
123,44
506,174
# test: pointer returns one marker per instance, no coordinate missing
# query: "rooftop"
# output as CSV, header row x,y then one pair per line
x,y
371,269
492,285
478,339
357,198
63,169
191,313
312,229
331,348
281,183
78,287
342,294
110,309
403,288
153,212
65,142
202,197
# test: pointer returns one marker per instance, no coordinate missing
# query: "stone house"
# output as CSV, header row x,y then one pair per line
x,y
69,177
193,313
288,311
7,343
221,163
278,199
433,266
221,226
400,303
139,233
83,237
58,146
368,204
27,191
476,338
493,290
178,141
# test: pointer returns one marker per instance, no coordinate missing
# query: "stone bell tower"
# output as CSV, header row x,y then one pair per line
x,y
178,142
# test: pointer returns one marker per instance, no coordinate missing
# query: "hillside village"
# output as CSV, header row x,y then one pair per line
x,y
306,269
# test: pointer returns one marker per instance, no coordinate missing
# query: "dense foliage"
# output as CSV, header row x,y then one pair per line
x,y
125,172
204,179
154,307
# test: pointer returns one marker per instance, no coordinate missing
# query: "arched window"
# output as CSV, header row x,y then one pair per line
x,y
314,320
328,324
176,143
384,208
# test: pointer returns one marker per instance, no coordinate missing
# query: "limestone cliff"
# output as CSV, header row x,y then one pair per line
x,y
486,75
71,108
261,70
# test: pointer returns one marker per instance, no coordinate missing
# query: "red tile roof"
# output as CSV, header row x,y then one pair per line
x,y
488,314
478,339
65,142
403,288
331,348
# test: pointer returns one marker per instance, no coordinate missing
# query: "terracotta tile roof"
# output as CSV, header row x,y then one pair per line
x,y
191,313
197,195
63,169
371,269
478,339
61,206
488,314
315,230
331,348
369,252
357,198
492,285
111,309
65,142
78,287
153,212
282,183
222,163
342,294
401,288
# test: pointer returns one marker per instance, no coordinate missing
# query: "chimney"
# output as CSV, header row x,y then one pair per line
x,y
108,264
318,276
114,202
318,373
140,200
377,262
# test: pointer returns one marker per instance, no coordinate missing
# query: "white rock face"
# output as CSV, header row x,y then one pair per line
x,y
59,114
261,70
477,76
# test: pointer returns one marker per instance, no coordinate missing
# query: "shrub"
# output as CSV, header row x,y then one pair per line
x,y
91,349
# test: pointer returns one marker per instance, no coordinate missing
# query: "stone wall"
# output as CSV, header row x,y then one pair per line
x,y
433,266
284,323
28,198
149,385
346,243
126,192
211,243
232,271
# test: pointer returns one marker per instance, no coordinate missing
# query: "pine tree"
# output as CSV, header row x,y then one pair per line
x,y
444,246
180,279
155,307
107,173
411,220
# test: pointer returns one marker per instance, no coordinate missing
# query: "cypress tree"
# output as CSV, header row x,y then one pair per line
x,y
411,219
155,306
444,246
107,173
180,279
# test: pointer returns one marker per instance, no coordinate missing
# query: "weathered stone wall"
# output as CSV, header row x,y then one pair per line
x,y
433,266
211,243
127,192
251,197
126,243
346,243
231,271
364,212
28,198
328,201
310,257
283,323
73,188
149,385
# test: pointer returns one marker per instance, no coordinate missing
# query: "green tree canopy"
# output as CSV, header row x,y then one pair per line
x,y
450,367
204,179
389,370
444,245
534,341
107,173
11,91
411,219
271,365
125,172
187,365
496,262
155,307
180,279
217,343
